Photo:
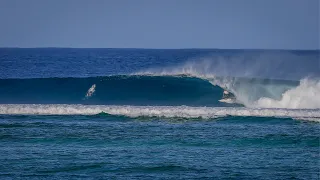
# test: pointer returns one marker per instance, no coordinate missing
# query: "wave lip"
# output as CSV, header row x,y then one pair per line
x,y
251,92
155,111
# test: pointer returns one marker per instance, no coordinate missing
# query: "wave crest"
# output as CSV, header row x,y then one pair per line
x,y
251,92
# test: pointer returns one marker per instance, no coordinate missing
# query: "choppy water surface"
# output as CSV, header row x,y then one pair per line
x,y
156,114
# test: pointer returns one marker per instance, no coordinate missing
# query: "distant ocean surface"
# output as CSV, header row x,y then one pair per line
x,y
157,114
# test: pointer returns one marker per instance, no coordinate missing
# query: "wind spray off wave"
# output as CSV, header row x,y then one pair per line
x,y
251,92
199,82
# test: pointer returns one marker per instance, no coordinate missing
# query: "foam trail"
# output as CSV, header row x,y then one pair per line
x,y
153,111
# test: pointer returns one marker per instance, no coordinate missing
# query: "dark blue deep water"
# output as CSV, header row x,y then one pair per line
x,y
158,114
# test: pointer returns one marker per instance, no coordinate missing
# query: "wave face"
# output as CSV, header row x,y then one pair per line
x,y
162,89
111,90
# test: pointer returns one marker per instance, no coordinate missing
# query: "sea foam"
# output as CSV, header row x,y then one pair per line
x,y
155,111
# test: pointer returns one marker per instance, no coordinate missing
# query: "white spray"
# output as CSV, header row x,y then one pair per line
x,y
251,94
306,95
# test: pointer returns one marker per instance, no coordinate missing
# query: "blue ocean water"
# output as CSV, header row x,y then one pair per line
x,y
157,114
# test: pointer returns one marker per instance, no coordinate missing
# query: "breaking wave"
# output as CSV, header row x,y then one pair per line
x,y
251,92
155,111
306,95
162,89
194,83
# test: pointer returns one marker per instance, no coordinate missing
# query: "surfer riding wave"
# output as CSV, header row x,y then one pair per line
x,y
228,97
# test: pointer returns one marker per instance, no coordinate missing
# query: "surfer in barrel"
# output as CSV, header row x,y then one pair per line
x,y
227,97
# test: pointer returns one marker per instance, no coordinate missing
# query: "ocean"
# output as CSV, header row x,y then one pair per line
x,y
70,113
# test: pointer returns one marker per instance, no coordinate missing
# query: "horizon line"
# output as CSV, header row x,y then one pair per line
x,y
159,48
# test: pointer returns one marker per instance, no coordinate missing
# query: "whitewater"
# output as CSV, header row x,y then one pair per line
x,y
156,114
155,111
249,91
187,89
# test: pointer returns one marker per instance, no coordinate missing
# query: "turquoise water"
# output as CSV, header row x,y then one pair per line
x,y
103,146
156,114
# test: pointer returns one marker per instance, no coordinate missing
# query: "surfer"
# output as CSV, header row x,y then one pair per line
x,y
227,97
91,90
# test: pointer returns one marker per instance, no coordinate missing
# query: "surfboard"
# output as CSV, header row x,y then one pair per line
x,y
228,100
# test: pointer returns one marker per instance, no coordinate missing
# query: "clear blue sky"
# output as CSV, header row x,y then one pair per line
x,y
257,24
